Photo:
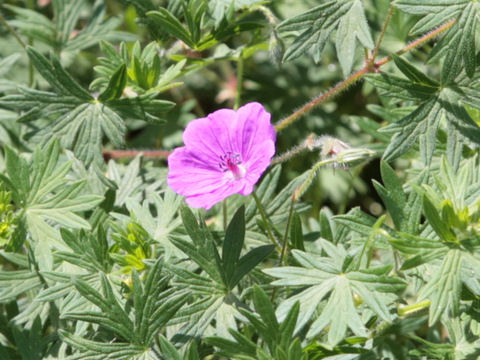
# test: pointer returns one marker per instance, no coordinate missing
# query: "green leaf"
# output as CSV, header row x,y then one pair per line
x,y
318,23
168,350
47,198
248,262
413,73
152,310
96,350
29,341
444,288
56,76
112,315
14,283
233,243
64,33
220,8
393,195
77,119
265,309
457,46
317,277
202,250
296,233
115,85
436,222
162,222
168,22
352,25
339,313
424,121
359,222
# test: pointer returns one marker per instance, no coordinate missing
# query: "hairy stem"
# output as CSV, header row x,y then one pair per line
x,y
289,120
343,85
119,154
238,94
382,32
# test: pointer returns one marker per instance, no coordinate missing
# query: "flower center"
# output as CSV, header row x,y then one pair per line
x,y
232,163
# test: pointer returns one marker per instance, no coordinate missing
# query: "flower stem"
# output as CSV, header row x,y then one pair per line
x,y
285,238
31,70
420,41
407,310
343,85
299,191
238,95
265,221
225,220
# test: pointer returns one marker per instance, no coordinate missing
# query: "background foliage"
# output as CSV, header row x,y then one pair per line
x,y
361,245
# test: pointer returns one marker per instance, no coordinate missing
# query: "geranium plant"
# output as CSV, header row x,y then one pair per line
x,y
221,179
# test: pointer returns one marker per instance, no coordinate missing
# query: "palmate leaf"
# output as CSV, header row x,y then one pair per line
x,y
347,16
404,210
153,307
89,250
80,120
226,270
46,197
458,43
14,283
144,68
163,223
212,291
436,102
448,250
197,33
61,33
445,287
274,337
325,275
96,350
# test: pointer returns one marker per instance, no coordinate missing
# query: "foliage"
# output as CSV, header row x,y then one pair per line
x,y
361,241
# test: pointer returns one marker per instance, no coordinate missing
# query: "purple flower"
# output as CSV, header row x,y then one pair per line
x,y
225,153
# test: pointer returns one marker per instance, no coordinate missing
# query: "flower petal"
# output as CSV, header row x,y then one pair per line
x,y
189,175
211,137
207,200
253,128
257,163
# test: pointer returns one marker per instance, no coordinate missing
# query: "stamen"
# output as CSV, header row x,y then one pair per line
x,y
233,164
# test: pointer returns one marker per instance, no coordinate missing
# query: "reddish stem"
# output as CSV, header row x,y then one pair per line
x,y
282,124
118,154
341,86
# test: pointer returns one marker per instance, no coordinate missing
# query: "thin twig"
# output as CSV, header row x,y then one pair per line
x,y
343,85
118,154
382,32
264,218
285,238
12,31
